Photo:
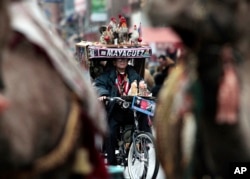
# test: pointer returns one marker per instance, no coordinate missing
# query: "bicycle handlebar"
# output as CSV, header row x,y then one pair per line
x,y
146,106
125,104
115,98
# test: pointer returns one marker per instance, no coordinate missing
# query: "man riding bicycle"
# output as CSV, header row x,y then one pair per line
x,y
116,81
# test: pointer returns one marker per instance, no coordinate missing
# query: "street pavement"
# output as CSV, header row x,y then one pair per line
x,y
160,175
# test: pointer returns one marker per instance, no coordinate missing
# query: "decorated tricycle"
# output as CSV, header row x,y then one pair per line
x,y
136,147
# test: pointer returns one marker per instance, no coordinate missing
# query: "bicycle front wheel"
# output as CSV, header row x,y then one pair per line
x,y
142,159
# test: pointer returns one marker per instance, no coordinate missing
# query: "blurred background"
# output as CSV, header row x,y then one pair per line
x,y
77,20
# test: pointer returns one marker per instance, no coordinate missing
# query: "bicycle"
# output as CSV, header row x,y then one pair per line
x,y
136,148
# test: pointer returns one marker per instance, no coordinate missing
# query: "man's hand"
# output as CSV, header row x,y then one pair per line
x,y
101,98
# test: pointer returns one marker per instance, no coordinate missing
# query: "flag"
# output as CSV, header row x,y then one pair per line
x,y
140,31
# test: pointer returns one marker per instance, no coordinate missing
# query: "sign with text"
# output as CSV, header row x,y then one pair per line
x,y
143,52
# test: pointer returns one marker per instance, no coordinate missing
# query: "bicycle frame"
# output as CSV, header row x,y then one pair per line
x,y
123,147
135,151
135,128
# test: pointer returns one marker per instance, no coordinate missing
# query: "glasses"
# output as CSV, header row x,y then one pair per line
x,y
121,60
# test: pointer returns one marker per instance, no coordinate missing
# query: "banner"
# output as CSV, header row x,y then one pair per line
x,y
143,52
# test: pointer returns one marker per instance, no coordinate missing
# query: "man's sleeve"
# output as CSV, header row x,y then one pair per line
x,y
100,84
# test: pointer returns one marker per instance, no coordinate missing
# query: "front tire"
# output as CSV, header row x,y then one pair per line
x,y
142,159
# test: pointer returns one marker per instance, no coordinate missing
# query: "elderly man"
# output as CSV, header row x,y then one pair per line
x,y
112,83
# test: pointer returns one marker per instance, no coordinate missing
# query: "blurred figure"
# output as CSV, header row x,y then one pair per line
x,y
148,79
166,65
50,125
152,64
172,53
158,79
210,91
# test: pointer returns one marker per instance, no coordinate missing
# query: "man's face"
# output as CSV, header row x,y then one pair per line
x,y
162,61
121,63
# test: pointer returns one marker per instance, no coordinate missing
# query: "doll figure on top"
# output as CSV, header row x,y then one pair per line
x,y
123,30
106,36
118,33
113,24
135,37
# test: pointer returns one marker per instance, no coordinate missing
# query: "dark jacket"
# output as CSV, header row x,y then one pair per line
x,y
159,80
105,83
105,86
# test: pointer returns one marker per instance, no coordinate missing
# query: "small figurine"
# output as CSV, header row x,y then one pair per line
x,y
134,36
143,90
107,36
122,30
118,32
112,24
114,29
133,91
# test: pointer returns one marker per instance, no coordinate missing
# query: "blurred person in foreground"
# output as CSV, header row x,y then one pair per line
x,y
207,99
48,127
